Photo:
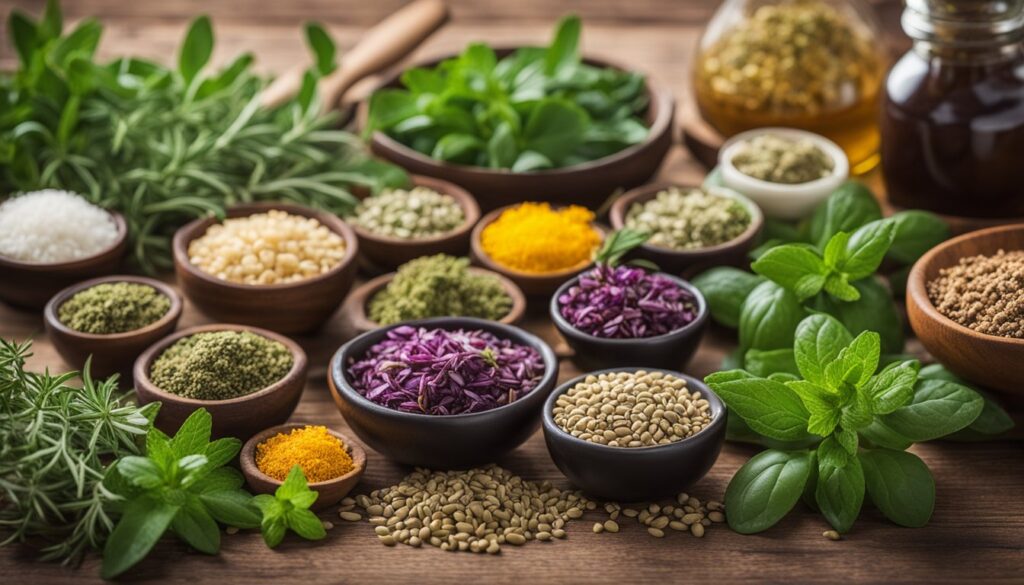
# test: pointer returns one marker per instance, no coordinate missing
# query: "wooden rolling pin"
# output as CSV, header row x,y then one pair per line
x,y
381,47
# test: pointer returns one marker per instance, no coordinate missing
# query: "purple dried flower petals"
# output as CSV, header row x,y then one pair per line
x,y
626,302
441,372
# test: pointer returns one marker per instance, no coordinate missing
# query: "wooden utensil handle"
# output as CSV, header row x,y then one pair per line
x,y
382,46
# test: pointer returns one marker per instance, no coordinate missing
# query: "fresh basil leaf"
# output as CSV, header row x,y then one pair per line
x,y
461,148
294,485
840,492
564,49
555,128
501,148
855,362
993,421
158,449
724,288
222,451
873,311
783,377
916,233
851,206
197,48
221,479
195,526
232,507
835,250
765,489
878,433
819,339
273,530
140,471
769,317
832,453
770,408
193,436
142,523
305,524
389,107
478,59
737,430
268,505
856,413
81,42
23,36
900,485
764,363
789,266
52,22
323,48
838,285
938,408
867,248
893,387
848,439
422,80
822,405
529,160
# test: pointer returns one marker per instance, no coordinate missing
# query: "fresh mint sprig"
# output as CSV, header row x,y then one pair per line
x,y
288,509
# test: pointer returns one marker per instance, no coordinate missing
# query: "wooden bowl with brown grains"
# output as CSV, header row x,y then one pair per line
x,y
992,361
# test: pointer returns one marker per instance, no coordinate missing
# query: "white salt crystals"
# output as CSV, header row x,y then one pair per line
x,y
50,226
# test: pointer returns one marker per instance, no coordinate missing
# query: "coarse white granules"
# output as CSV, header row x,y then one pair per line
x,y
50,226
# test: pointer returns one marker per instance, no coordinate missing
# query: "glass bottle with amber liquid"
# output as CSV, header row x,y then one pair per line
x,y
817,65
953,112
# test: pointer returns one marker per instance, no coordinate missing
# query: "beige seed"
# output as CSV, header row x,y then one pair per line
x,y
598,527
697,530
516,539
630,512
382,530
716,516
350,516
677,525
387,540
660,522
831,535
231,530
543,535
328,525
656,532
611,526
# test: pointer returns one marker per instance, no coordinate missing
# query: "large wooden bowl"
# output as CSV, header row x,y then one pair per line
x,y
987,360
296,307
240,417
31,285
588,184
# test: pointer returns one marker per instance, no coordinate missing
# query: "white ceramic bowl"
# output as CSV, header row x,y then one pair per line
x,y
778,200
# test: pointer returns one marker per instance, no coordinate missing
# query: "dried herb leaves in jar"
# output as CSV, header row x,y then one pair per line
x,y
218,365
632,409
409,214
779,159
114,307
983,293
689,219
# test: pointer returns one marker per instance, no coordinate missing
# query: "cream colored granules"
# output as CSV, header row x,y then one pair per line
x,y
984,293
267,248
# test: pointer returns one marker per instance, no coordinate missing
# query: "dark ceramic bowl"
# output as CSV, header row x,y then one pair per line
x,y
389,252
32,285
441,442
589,184
240,417
731,253
295,307
331,491
672,350
114,353
625,474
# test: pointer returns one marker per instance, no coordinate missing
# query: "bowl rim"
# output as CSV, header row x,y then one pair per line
x,y
52,307
659,97
119,241
337,373
716,402
563,326
365,293
476,246
806,190
917,291
196,228
247,456
620,209
463,198
144,362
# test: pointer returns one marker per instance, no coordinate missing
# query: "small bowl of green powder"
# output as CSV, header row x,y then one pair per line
x,y
689,226
430,217
113,319
248,378
436,286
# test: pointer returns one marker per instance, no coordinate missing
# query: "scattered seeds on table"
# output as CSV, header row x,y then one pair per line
x,y
831,535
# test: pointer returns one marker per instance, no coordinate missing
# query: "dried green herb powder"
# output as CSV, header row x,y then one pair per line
x,y
218,365
439,286
689,219
778,159
114,307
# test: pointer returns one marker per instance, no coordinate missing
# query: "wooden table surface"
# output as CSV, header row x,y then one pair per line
x,y
976,532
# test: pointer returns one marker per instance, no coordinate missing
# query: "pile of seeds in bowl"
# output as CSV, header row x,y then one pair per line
x,y
984,293
48,227
689,219
444,372
477,510
113,307
632,409
780,159
409,214
686,514
267,248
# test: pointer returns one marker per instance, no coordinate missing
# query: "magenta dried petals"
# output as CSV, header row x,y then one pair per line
x,y
626,302
437,371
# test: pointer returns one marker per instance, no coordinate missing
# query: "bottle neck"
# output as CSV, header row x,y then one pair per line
x,y
972,30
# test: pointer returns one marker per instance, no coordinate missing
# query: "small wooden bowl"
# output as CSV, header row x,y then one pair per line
x,y
113,353
389,252
532,284
986,360
32,285
732,253
239,417
589,184
358,302
296,307
331,491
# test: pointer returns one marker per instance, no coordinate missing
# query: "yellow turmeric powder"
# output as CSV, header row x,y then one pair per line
x,y
533,237
321,455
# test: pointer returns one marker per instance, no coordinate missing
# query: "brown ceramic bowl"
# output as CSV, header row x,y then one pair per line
x,y
589,184
389,253
240,417
532,284
331,491
987,360
296,307
32,285
732,253
358,302
114,353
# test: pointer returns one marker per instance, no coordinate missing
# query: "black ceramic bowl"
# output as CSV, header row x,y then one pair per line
x,y
636,474
441,442
672,350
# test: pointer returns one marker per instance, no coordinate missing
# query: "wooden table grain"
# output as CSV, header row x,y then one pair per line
x,y
976,533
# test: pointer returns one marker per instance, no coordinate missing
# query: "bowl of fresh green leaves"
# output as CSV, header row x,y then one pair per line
x,y
543,121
